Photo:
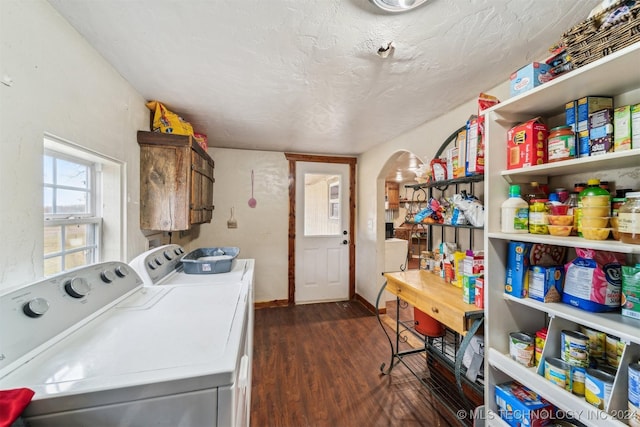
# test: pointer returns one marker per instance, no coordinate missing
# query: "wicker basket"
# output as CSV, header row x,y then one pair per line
x,y
586,43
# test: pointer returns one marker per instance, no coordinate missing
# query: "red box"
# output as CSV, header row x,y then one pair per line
x,y
527,144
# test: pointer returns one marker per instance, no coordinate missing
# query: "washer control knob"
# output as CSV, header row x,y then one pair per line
x,y
108,276
77,287
36,307
151,265
122,271
168,255
158,261
178,251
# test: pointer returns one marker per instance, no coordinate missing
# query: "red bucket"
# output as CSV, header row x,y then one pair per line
x,y
427,325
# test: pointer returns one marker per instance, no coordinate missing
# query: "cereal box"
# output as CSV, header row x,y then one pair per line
x,y
527,144
518,406
529,76
589,104
469,289
521,256
570,114
475,146
622,128
635,126
545,283
600,132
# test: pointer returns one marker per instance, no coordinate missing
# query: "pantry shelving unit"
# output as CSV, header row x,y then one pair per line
x,y
615,75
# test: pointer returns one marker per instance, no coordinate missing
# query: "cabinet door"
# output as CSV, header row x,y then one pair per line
x,y
201,206
164,187
393,195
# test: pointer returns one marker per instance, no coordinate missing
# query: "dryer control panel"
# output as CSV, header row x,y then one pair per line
x,y
156,264
43,312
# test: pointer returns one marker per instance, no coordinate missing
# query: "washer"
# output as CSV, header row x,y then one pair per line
x,y
101,349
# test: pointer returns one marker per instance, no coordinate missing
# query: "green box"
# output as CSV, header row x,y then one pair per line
x,y
622,128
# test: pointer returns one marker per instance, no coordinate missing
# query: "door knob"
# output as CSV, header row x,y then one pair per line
x,y
344,242
344,232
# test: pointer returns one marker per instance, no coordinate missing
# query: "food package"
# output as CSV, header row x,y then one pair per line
x,y
471,207
202,140
630,299
545,283
166,121
521,257
593,280
439,169
527,144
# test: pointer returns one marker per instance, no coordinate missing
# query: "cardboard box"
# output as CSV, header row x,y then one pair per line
x,y
546,283
461,143
631,291
479,295
622,128
527,144
452,162
583,144
469,288
521,256
600,132
529,76
571,114
518,406
588,105
475,146
473,264
635,126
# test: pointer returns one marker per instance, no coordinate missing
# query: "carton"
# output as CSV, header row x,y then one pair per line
x,y
589,104
630,297
527,144
545,283
453,154
475,146
479,293
622,128
521,256
518,406
600,132
571,114
469,288
635,126
461,143
583,144
473,264
529,76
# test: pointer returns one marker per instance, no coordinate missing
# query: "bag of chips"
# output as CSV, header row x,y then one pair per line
x,y
166,121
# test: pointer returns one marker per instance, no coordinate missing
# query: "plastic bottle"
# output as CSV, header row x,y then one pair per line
x,y
593,189
515,213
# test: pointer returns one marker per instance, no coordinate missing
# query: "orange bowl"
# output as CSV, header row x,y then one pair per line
x,y
559,230
560,219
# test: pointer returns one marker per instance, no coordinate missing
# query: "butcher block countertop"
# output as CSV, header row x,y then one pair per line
x,y
430,293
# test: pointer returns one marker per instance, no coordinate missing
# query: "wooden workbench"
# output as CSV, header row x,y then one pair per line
x,y
430,293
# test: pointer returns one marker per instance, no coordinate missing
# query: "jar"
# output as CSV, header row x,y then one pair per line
x,y
629,219
562,193
538,216
561,144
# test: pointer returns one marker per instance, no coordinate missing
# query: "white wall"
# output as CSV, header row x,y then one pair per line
x,y
423,141
58,84
262,231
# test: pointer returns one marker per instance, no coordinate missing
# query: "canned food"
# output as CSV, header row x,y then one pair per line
x,y
598,385
634,394
521,348
614,348
574,348
597,342
558,372
541,338
577,380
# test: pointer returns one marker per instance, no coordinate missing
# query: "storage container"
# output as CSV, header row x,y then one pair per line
x,y
210,260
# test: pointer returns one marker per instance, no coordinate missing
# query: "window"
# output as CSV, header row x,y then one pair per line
x,y
334,200
71,222
85,217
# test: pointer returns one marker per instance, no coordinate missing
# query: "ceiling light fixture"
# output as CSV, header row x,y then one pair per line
x,y
396,6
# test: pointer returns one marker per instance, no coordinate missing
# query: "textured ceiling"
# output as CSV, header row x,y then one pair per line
x,y
304,75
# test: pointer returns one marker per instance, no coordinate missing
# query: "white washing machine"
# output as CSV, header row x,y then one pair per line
x,y
100,349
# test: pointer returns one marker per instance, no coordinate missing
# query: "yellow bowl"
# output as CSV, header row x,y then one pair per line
x,y
559,230
591,211
595,233
560,219
592,201
614,228
595,221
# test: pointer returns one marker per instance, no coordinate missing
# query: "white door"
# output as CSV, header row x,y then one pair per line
x,y
322,239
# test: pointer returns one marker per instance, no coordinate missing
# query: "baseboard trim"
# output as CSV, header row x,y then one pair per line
x,y
271,304
369,307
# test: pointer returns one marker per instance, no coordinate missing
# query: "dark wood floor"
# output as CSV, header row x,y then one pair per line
x,y
319,365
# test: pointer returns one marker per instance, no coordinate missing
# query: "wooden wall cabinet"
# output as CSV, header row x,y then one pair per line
x,y
176,182
392,192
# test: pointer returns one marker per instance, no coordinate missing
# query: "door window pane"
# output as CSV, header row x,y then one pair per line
x,y
322,205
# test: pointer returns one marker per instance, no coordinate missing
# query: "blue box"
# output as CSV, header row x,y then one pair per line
x,y
591,104
546,283
529,76
517,280
571,114
518,406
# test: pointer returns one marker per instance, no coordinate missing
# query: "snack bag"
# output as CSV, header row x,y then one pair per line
x,y
166,121
593,280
